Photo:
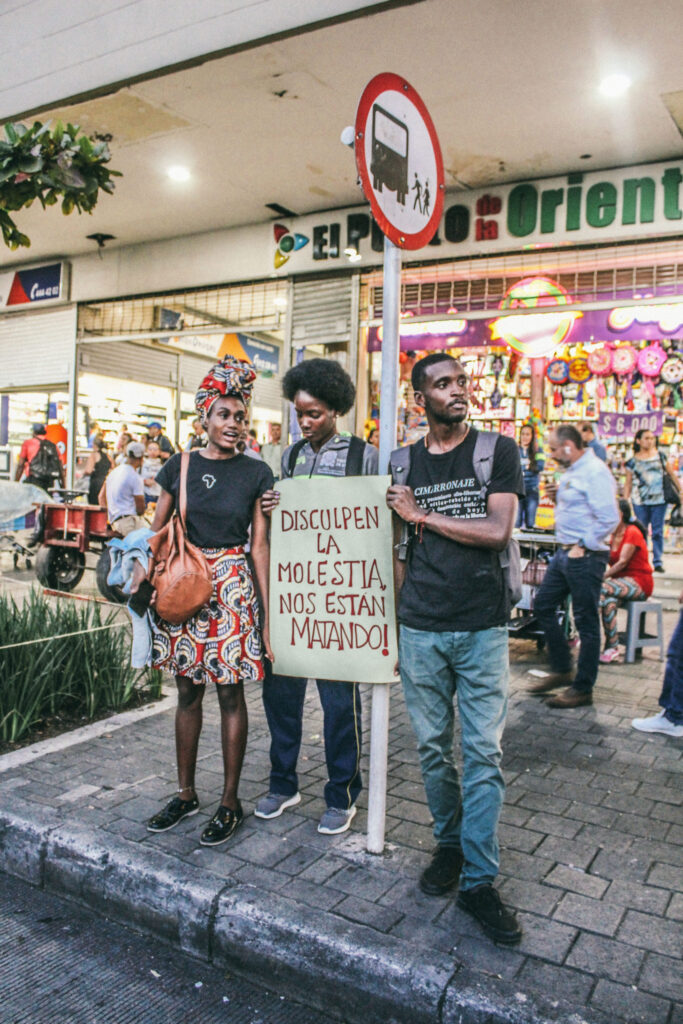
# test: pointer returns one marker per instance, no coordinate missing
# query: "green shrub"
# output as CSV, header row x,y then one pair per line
x,y
76,676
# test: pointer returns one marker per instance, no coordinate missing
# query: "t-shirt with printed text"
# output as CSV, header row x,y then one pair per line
x,y
451,586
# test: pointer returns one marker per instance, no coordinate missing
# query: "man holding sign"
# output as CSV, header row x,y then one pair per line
x,y
453,610
320,391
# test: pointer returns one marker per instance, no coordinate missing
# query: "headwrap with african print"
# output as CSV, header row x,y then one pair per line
x,y
229,377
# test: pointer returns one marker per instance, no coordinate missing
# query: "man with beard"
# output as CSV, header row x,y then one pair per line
x,y
586,513
453,644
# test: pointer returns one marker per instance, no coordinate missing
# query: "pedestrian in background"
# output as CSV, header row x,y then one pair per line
x,y
155,433
628,576
320,391
585,515
97,467
591,441
670,719
453,609
151,467
123,493
223,643
38,462
645,484
271,452
532,466
197,438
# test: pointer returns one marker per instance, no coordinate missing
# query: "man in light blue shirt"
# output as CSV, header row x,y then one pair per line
x,y
586,513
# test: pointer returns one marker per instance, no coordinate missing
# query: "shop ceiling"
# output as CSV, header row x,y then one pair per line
x,y
513,88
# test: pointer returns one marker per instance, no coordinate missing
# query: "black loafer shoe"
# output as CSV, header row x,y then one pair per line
x,y
222,826
486,907
174,811
443,874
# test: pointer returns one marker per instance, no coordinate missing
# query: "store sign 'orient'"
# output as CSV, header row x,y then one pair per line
x,y
399,161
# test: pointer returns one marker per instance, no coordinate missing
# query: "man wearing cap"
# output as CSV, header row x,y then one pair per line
x,y
154,433
123,492
28,452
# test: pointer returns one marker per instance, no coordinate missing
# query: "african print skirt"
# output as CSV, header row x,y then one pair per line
x,y
222,642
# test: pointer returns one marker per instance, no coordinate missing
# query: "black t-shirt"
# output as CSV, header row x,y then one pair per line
x,y
220,496
450,586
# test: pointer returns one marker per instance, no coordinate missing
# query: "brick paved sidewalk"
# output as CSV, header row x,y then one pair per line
x,y
591,837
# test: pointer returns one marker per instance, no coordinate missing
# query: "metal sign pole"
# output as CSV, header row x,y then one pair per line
x,y
379,729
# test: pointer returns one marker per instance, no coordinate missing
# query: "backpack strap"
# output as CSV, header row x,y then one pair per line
x,y
399,464
482,458
354,457
294,455
182,490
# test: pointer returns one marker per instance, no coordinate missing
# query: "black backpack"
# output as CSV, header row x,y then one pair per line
x,y
45,466
354,459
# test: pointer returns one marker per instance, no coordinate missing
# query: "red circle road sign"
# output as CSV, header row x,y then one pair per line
x,y
399,161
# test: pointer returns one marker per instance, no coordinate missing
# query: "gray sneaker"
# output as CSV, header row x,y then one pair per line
x,y
335,820
273,804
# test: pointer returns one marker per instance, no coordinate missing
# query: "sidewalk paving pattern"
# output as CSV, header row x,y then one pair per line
x,y
591,856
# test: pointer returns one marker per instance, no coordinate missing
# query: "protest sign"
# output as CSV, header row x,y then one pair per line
x,y
331,580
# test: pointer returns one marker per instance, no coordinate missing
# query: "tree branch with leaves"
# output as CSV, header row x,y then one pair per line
x,y
50,164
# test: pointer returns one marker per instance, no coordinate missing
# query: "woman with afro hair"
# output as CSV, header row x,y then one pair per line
x,y
320,391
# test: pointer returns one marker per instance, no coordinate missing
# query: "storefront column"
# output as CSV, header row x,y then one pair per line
x,y
73,412
178,402
537,385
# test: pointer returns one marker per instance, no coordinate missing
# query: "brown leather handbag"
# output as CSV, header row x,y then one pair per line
x,y
178,570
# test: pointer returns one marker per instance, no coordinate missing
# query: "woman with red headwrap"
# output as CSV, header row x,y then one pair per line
x,y
222,643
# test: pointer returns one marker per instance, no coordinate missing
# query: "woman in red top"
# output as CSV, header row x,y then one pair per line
x,y
628,576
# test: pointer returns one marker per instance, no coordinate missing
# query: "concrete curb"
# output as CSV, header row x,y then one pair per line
x,y
344,968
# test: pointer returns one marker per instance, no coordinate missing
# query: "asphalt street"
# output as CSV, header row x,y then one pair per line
x,y
60,964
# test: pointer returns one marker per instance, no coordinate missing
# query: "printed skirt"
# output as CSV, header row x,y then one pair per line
x,y
222,642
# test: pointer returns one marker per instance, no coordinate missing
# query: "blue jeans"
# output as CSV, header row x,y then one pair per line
x,y
653,515
672,690
474,668
582,579
526,512
283,700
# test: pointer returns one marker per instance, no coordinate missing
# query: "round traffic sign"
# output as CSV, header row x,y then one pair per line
x,y
399,161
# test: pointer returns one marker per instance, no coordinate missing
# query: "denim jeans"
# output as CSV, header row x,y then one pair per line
x,y
672,690
526,513
653,515
582,579
474,668
283,700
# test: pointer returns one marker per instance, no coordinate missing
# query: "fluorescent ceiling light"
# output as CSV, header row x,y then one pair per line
x,y
178,173
615,85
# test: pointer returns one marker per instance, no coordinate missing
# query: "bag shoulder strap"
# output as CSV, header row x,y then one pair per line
x,y
182,490
294,455
399,464
354,457
482,458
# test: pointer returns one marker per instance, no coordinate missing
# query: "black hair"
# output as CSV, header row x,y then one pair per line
x,y
325,379
532,447
626,510
566,432
418,374
637,436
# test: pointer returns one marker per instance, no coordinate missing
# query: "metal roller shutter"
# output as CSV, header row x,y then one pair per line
x,y
129,361
322,314
36,349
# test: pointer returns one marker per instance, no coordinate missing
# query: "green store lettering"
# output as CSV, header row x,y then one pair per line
x,y
529,209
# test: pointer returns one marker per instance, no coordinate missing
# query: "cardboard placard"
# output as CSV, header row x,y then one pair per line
x,y
331,580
